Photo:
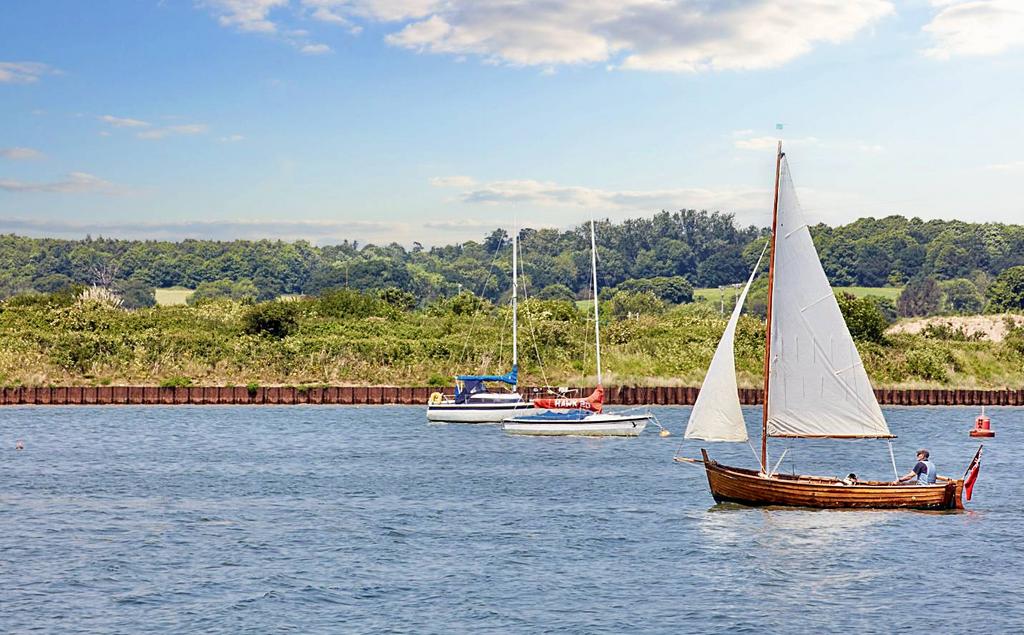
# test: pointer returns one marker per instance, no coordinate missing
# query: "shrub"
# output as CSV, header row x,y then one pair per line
x,y
275,319
101,295
928,363
863,318
946,331
241,290
557,310
348,303
176,382
251,388
671,289
632,303
465,303
64,297
398,298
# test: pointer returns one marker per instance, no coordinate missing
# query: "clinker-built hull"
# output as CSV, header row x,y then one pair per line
x,y
748,487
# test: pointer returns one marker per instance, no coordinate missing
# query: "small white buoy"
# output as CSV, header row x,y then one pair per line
x,y
664,433
18,445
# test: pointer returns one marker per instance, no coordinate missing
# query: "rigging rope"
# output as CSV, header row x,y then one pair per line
x,y
476,314
893,457
529,319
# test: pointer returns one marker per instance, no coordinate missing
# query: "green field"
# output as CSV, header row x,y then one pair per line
x,y
713,294
886,292
172,296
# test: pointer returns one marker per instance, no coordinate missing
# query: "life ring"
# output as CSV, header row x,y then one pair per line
x,y
436,398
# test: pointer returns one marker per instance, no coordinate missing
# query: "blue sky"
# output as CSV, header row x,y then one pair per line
x,y
438,120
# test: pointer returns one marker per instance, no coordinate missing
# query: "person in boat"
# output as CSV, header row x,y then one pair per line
x,y
924,471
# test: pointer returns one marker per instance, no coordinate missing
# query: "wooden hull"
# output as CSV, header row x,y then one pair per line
x,y
748,487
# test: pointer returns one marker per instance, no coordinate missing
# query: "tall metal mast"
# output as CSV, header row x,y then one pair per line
x,y
515,297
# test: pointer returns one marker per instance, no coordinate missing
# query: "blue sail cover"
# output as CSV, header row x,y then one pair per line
x,y
558,416
473,384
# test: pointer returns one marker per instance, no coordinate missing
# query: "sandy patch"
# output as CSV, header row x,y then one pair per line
x,y
991,327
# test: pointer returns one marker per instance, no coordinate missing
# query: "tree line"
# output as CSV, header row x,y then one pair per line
x,y
953,263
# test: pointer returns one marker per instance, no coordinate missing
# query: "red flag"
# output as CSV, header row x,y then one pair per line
x,y
972,474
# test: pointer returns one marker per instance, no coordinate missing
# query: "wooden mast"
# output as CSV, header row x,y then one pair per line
x,y
597,317
768,321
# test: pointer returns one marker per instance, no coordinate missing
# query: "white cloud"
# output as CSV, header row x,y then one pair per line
x,y
341,11
235,138
1012,166
318,231
652,35
746,140
314,49
246,15
976,27
453,181
183,129
123,122
24,72
74,183
770,143
657,35
151,132
549,194
21,154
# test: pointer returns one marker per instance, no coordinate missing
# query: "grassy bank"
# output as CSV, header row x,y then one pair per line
x,y
213,343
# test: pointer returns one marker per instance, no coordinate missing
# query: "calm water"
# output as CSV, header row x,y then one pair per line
x,y
319,519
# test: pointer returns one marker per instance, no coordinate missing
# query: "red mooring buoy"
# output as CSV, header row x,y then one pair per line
x,y
982,426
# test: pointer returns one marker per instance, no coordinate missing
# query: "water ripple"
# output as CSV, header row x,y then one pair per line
x,y
367,520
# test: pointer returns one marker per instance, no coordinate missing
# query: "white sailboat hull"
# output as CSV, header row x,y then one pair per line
x,y
477,412
598,425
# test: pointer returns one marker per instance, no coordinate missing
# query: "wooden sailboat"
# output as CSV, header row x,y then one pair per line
x,y
815,385
473,401
580,416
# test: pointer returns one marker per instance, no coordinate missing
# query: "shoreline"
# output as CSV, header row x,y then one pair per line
x,y
381,395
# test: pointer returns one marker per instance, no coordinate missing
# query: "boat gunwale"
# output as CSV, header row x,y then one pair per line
x,y
827,481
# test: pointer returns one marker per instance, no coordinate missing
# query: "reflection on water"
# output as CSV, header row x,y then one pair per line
x,y
365,520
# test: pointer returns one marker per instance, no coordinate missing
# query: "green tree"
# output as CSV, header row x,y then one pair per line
x,y
136,294
962,296
1006,293
672,289
224,290
556,292
921,296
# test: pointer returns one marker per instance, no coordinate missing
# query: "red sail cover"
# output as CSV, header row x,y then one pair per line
x,y
594,402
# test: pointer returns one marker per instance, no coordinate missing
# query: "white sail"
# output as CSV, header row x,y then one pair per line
x,y
716,415
817,383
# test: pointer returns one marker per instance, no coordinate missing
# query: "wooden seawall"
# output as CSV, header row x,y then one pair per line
x,y
375,395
